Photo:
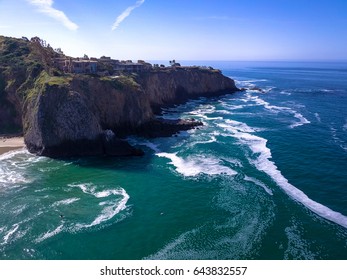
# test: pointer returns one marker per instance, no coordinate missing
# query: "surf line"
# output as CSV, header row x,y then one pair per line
x,y
263,163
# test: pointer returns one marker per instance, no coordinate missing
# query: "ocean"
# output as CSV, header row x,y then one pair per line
x,y
264,178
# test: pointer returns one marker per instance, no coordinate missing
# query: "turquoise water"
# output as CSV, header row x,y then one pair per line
x,y
264,178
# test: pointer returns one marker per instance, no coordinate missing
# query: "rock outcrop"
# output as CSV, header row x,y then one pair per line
x,y
170,86
78,115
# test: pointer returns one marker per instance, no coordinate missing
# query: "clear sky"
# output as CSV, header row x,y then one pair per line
x,y
184,29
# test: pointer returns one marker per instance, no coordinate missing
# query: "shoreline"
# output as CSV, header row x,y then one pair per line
x,y
11,143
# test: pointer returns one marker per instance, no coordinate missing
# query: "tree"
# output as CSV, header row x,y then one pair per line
x,y
58,50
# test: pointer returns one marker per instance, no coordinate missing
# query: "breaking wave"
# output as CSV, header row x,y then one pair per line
x,y
194,165
261,159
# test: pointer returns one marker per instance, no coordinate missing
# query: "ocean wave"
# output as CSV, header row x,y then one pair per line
x,y
49,169
65,201
263,163
236,127
150,145
277,109
342,144
285,92
12,177
111,208
202,111
95,207
258,183
49,234
248,82
317,117
344,127
301,118
11,232
13,166
194,165
11,154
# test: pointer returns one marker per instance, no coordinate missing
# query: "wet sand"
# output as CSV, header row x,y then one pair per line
x,y
9,144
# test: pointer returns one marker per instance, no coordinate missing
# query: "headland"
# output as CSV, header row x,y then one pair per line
x,y
67,106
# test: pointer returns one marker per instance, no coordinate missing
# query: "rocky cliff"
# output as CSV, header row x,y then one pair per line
x,y
68,114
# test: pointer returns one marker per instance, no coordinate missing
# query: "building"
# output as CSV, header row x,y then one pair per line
x,y
78,66
131,67
90,66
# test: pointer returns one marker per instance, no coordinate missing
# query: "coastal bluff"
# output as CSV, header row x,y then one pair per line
x,y
64,113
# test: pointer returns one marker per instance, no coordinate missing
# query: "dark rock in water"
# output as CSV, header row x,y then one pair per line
x,y
166,128
257,89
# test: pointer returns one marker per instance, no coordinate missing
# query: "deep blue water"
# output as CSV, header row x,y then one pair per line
x,y
264,178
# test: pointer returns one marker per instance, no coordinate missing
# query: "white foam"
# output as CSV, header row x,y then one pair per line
x,y
255,80
203,110
87,188
194,165
298,247
317,117
277,109
285,92
49,234
13,165
212,139
49,169
19,209
170,249
258,147
259,183
261,102
12,177
302,120
112,208
248,82
234,107
337,140
11,154
10,233
345,125
223,112
150,145
326,90
106,193
237,127
65,201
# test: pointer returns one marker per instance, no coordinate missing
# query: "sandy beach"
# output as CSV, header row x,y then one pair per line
x,y
9,144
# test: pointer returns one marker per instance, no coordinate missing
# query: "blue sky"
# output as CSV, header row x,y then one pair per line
x,y
184,29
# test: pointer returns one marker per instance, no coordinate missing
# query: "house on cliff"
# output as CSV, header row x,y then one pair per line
x,y
81,66
92,65
131,67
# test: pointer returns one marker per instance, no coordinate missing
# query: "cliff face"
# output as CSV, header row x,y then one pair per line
x,y
166,87
74,115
